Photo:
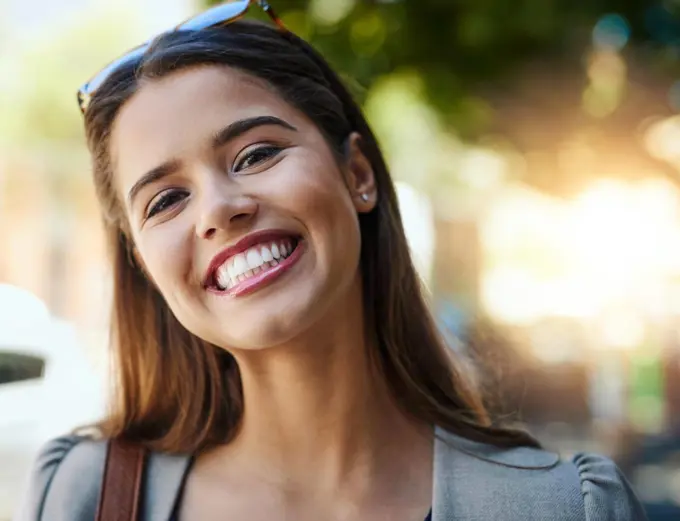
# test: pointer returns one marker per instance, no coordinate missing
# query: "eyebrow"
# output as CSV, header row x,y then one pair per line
x,y
153,175
240,127
221,138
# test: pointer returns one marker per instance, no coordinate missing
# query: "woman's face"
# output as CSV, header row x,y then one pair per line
x,y
239,211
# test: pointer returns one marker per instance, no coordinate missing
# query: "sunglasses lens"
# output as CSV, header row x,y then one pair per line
x,y
216,16
100,78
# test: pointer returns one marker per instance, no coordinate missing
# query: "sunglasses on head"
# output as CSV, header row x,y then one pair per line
x,y
218,16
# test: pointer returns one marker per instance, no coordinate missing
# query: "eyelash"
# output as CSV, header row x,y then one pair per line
x,y
269,150
160,201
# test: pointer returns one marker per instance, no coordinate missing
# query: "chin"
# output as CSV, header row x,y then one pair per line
x,y
270,323
267,334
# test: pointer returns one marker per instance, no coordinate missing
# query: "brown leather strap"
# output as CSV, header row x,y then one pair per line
x,y
121,488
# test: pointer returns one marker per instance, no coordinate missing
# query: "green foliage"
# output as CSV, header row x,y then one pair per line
x,y
455,45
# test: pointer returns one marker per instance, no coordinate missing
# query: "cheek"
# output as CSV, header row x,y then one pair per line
x,y
315,186
164,251
318,196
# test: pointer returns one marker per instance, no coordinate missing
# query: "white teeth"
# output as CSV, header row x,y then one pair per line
x,y
266,254
240,264
223,277
254,258
232,271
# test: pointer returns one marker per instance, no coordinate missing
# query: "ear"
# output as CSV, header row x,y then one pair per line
x,y
360,176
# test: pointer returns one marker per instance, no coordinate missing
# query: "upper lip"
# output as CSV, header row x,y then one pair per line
x,y
240,246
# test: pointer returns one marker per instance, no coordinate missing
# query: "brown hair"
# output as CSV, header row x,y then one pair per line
x,y
178,393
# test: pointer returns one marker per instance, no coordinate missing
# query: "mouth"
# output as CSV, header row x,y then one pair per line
x,y
256,266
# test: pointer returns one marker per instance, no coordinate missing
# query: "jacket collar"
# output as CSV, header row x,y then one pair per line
x,y
447,445
462,466
453,456
165,476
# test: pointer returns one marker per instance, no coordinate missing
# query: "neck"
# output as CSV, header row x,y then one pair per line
x,y
317,413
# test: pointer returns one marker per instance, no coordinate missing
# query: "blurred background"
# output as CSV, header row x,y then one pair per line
x,y
537,148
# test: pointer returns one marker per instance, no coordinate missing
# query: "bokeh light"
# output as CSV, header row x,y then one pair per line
x,y
584,257
611,32
330,12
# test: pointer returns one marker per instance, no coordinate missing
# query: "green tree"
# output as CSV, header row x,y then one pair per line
x,y
453,45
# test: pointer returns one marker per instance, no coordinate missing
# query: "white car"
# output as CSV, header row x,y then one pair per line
x,y
47,387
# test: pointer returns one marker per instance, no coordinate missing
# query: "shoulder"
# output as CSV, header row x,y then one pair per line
x,y
65,480
529,483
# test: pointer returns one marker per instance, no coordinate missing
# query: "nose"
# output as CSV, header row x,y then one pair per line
x,y
223,210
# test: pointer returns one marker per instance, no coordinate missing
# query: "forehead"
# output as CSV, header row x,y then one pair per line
x,y
180,113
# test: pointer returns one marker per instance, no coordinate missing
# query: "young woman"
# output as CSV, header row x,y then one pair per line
x,y
275,353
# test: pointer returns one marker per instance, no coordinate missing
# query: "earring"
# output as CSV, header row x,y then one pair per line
x,y
364,197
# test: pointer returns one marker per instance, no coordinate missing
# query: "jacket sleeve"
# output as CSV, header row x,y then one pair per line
x,y
607,495
64,482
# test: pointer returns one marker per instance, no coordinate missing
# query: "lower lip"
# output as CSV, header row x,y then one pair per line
x,y
262,279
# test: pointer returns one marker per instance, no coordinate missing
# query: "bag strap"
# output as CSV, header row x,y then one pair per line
x,y
121,488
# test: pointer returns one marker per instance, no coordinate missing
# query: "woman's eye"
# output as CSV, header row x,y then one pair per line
x,y
164,201
255,156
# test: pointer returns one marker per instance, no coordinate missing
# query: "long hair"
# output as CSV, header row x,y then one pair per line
x,y
178,393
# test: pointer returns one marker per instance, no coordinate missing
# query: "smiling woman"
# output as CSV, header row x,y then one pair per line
x,y
276,356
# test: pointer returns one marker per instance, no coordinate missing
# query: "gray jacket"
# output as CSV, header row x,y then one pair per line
x,y
472,482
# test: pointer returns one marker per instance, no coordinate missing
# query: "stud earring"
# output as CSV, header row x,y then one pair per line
x,y
364,197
